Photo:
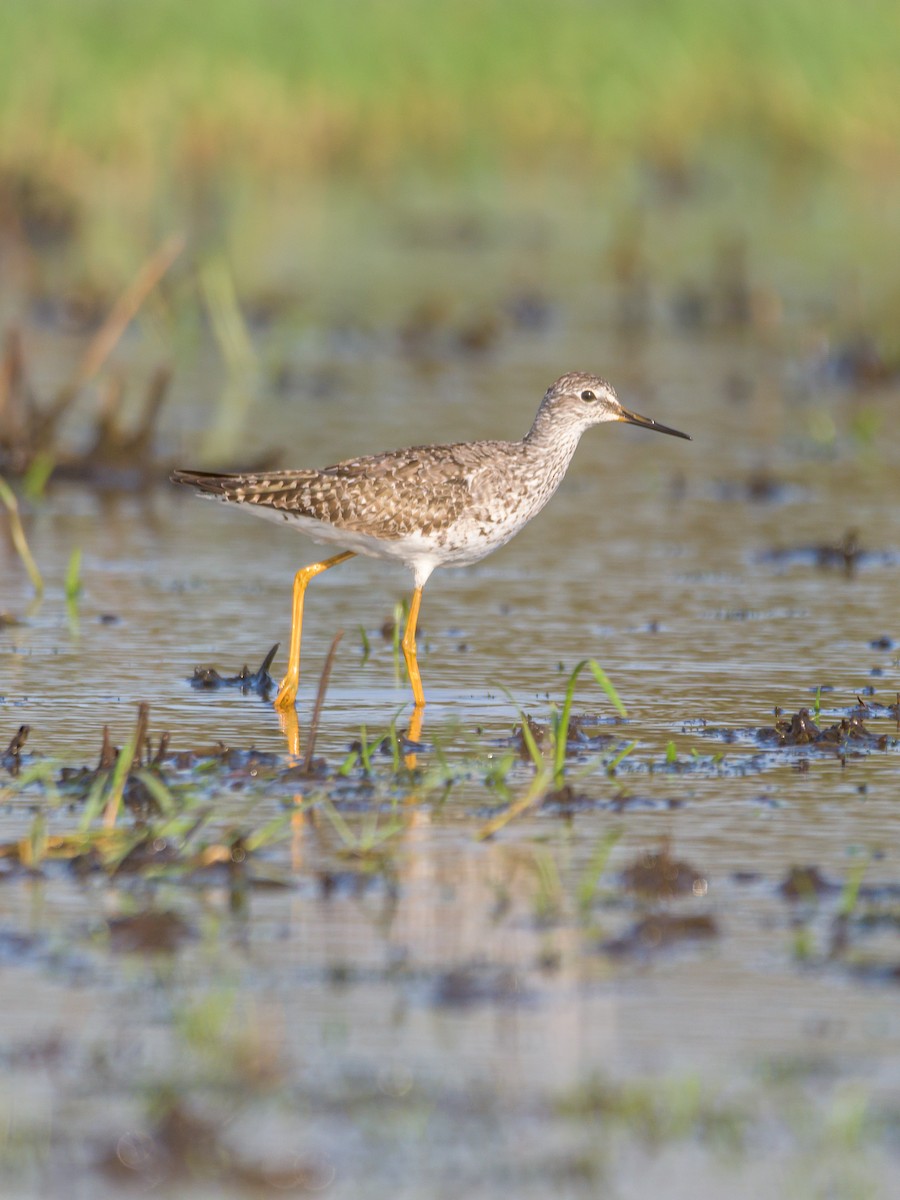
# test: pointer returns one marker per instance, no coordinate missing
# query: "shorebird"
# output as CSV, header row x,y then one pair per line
x,y
426,506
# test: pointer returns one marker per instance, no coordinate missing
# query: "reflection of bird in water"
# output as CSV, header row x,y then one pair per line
x,y
427,506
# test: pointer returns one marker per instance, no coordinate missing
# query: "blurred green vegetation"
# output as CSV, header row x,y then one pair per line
x,y
140,91
252,125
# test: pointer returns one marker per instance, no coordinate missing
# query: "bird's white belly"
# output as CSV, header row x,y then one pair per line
x,y
463,543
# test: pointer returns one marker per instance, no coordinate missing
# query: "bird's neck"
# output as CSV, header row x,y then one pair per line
x,y
551,443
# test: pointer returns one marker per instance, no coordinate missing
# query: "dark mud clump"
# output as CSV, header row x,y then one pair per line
x,y
658,876
183,1146
857,911
581,736
33,205
477,983
142,817
531,735
801,730
846,555
150,932
11,758
259,681
806,883
660,930
657,879
137,782
857,362
759,487
625,801
882,643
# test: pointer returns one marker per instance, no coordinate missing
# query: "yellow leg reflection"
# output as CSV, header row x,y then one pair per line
x,y
409,648
287,692
290,727
414,733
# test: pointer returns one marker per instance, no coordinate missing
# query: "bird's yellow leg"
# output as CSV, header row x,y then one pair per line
x,y
287,691
409,648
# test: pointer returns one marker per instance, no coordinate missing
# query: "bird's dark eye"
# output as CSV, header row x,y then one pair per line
x,y
586,395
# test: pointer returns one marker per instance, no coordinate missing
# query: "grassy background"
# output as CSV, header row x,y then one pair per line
x,y
142,91
255,125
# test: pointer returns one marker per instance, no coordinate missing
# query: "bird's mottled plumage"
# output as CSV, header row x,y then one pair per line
x,y
430,506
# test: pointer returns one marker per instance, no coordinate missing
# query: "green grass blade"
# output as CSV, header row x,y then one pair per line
x,y
159,791
527,736
366,645
535,793
73,576
39,471
587,885
852,884
623,754
7,496
349,763
93,806
341,828
562,729
606,683
124,763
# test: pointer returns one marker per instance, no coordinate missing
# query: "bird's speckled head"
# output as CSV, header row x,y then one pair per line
x,y
578,400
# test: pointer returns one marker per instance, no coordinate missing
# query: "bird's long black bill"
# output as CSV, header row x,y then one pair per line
x,y
648,423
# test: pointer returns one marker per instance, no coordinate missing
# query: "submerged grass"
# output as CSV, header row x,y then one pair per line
x,y
661,1111
366,838
183,838
550,763
562,719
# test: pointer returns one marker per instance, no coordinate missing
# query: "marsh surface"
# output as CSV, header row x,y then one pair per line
x,y
375,999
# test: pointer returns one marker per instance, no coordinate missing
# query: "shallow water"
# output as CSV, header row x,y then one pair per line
x,y
429,1023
